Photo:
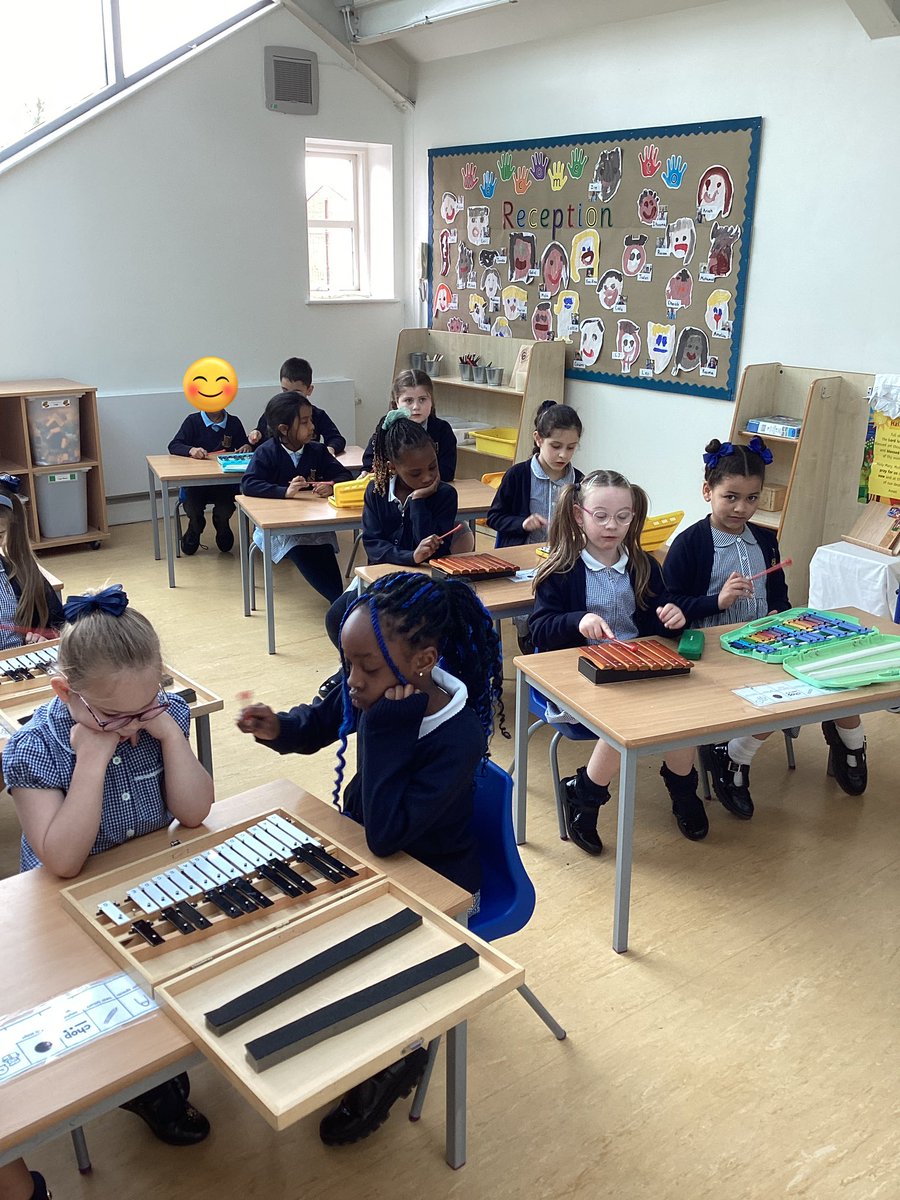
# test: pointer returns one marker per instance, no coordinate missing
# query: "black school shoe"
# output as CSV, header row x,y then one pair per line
x,y
171,1118
327,686
41,1191
190,542
366,1107
731,780
582,800
687,807
224,536
848,766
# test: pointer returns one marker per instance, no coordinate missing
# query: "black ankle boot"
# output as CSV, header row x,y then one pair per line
x,y
687,806
190,542
582,800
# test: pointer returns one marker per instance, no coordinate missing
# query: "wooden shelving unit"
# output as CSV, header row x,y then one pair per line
x,y
532,372
819,469
16,457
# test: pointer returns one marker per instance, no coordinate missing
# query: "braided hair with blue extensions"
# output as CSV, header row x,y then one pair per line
x,y
445,614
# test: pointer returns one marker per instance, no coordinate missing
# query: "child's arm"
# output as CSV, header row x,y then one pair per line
x,y
380,521
260,433
257,478
189,790
555,623
684,579
662,617
328,471
329,432
183,442
505,514
446,451
305,729
369,454
239,439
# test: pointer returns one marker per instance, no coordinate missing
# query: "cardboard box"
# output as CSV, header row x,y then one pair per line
x,y
771,497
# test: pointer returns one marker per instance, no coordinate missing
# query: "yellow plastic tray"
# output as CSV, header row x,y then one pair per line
x,y
499,441
350,493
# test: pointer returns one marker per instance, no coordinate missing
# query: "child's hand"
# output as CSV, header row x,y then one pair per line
x,y
259,720
736,588
297,485
163,727
198,452
400,691
245,449
324,488
594,628
425,492
426,548
36,635
535,521
93,744
671,616
254,437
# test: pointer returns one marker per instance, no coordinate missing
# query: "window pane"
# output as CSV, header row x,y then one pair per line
x,y
330,188
152,29
331,260
51,58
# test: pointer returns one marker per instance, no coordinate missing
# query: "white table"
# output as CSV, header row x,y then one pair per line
x,y
843,575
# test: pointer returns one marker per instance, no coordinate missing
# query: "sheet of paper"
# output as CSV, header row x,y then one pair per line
x,y
525,574
780,693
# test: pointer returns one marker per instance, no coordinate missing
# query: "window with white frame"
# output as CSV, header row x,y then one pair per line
x,y
349,214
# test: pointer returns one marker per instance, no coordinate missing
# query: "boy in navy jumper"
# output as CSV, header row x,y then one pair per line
x,y
296,376
201,435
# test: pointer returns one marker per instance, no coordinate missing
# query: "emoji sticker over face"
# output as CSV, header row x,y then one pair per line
x,y
542,322
515,303
717,311
648,206
566,309
634,256
478,223
492,285
554,269
714,194
628,344
721,243
522,256
592,332
681,239
451,207
500,328
607,174
465,267
443,298
210,384
679,289
660,345
585,253
692,350
609,289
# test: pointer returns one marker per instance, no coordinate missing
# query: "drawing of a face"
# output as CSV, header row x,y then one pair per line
x,y
477,310
717,309
442,298
554,269
491,284
514,301
660,345
522,256
648,206
487,257
451,207
692,350
566,309
681,238
465,265
714,194
541,322
721,243
628,343
500,328
609,289
680,288
608,173
585,253
445,251
634,255
457,325
478,224
591,341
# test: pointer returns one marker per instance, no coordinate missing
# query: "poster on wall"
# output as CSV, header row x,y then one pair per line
x,y
631,247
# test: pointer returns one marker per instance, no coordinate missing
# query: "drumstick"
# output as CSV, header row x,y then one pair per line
x,y
48,634
455,529
785,562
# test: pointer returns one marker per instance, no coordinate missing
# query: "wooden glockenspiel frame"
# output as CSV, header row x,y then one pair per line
x,y
624,662
471,567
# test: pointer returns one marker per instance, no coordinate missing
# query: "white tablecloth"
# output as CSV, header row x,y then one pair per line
x,y
843,574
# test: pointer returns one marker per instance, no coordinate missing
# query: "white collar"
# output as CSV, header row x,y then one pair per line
x,y
568,476
592,564
457,702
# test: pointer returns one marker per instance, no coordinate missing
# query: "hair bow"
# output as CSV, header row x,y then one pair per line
x,y
111,600
394,414
757,446
11,482
724,450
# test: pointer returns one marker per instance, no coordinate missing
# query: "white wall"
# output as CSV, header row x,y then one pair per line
x,y
825,258
172,226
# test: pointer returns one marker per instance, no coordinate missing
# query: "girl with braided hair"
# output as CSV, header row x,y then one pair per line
x,y
422,680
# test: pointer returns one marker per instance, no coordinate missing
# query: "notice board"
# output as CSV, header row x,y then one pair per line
x,y
632,247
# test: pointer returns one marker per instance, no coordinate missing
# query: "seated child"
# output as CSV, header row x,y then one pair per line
x,y
106,760
30,610
296,376
422,730
414,391
201,435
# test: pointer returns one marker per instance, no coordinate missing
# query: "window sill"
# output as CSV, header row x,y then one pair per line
x,y
354,300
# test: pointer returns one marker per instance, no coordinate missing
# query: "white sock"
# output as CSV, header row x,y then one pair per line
x,y
853,739
741,750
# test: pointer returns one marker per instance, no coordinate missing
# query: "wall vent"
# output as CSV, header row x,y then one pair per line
x,y
292,80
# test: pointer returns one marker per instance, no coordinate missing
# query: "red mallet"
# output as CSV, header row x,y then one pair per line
x,y
785,562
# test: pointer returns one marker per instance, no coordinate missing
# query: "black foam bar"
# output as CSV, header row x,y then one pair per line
x,y
280,1044
320,966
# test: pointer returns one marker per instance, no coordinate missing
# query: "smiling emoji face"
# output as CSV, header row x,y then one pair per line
x,y
210,384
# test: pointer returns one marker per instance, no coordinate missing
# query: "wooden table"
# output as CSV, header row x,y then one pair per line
x,y
308,513
669,714
174,470
57,955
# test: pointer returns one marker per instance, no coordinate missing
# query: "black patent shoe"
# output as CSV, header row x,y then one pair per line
x,y
581,821
847,766
169,1115
224,536
190,542
327,686
41,1191
366,1107
690,816
731,781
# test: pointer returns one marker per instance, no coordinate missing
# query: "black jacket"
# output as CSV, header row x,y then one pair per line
x,y
512,504
390,534
441,433
194,433
271,469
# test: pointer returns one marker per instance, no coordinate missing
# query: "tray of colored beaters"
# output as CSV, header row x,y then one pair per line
x,y
777,637
234,464
622,662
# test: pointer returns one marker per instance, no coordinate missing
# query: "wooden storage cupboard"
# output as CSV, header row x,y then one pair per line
x,y
820,469
532,372
16,457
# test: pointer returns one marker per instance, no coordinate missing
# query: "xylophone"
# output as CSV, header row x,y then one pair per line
x,y
621,662
234,464
470,567
772,639
26,671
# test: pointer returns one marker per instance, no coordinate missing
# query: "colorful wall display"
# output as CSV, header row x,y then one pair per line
x,y
632,247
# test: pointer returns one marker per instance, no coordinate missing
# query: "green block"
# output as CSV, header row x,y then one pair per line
x,y
691,644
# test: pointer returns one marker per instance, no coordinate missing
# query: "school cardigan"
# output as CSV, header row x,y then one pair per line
x,y
271,469
193,433
444,439
390,533
688,568
559,605
512,504
409,793
326,430
55,617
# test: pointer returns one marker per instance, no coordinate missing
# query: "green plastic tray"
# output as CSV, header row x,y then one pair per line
x,y
777,651
881,664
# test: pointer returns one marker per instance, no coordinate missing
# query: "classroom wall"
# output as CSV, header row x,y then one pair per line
x,y
172,226
825,259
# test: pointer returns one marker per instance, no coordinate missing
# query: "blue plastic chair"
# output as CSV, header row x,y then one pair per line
x,y
507,893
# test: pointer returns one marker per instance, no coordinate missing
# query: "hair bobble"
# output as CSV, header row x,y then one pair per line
x,y
394,414
725,450
111,600
757,446
11,482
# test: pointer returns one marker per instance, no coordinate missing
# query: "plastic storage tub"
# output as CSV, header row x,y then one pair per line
x,y
61,498
498,441
463,430
54,429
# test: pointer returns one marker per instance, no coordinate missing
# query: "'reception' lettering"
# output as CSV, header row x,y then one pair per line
x,y
578,216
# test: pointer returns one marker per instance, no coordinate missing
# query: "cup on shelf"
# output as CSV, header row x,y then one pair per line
x,y
417,360
465,372
433,365
479,374
494,376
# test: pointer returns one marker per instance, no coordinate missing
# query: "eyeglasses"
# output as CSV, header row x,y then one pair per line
x,y
602,518
114,723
